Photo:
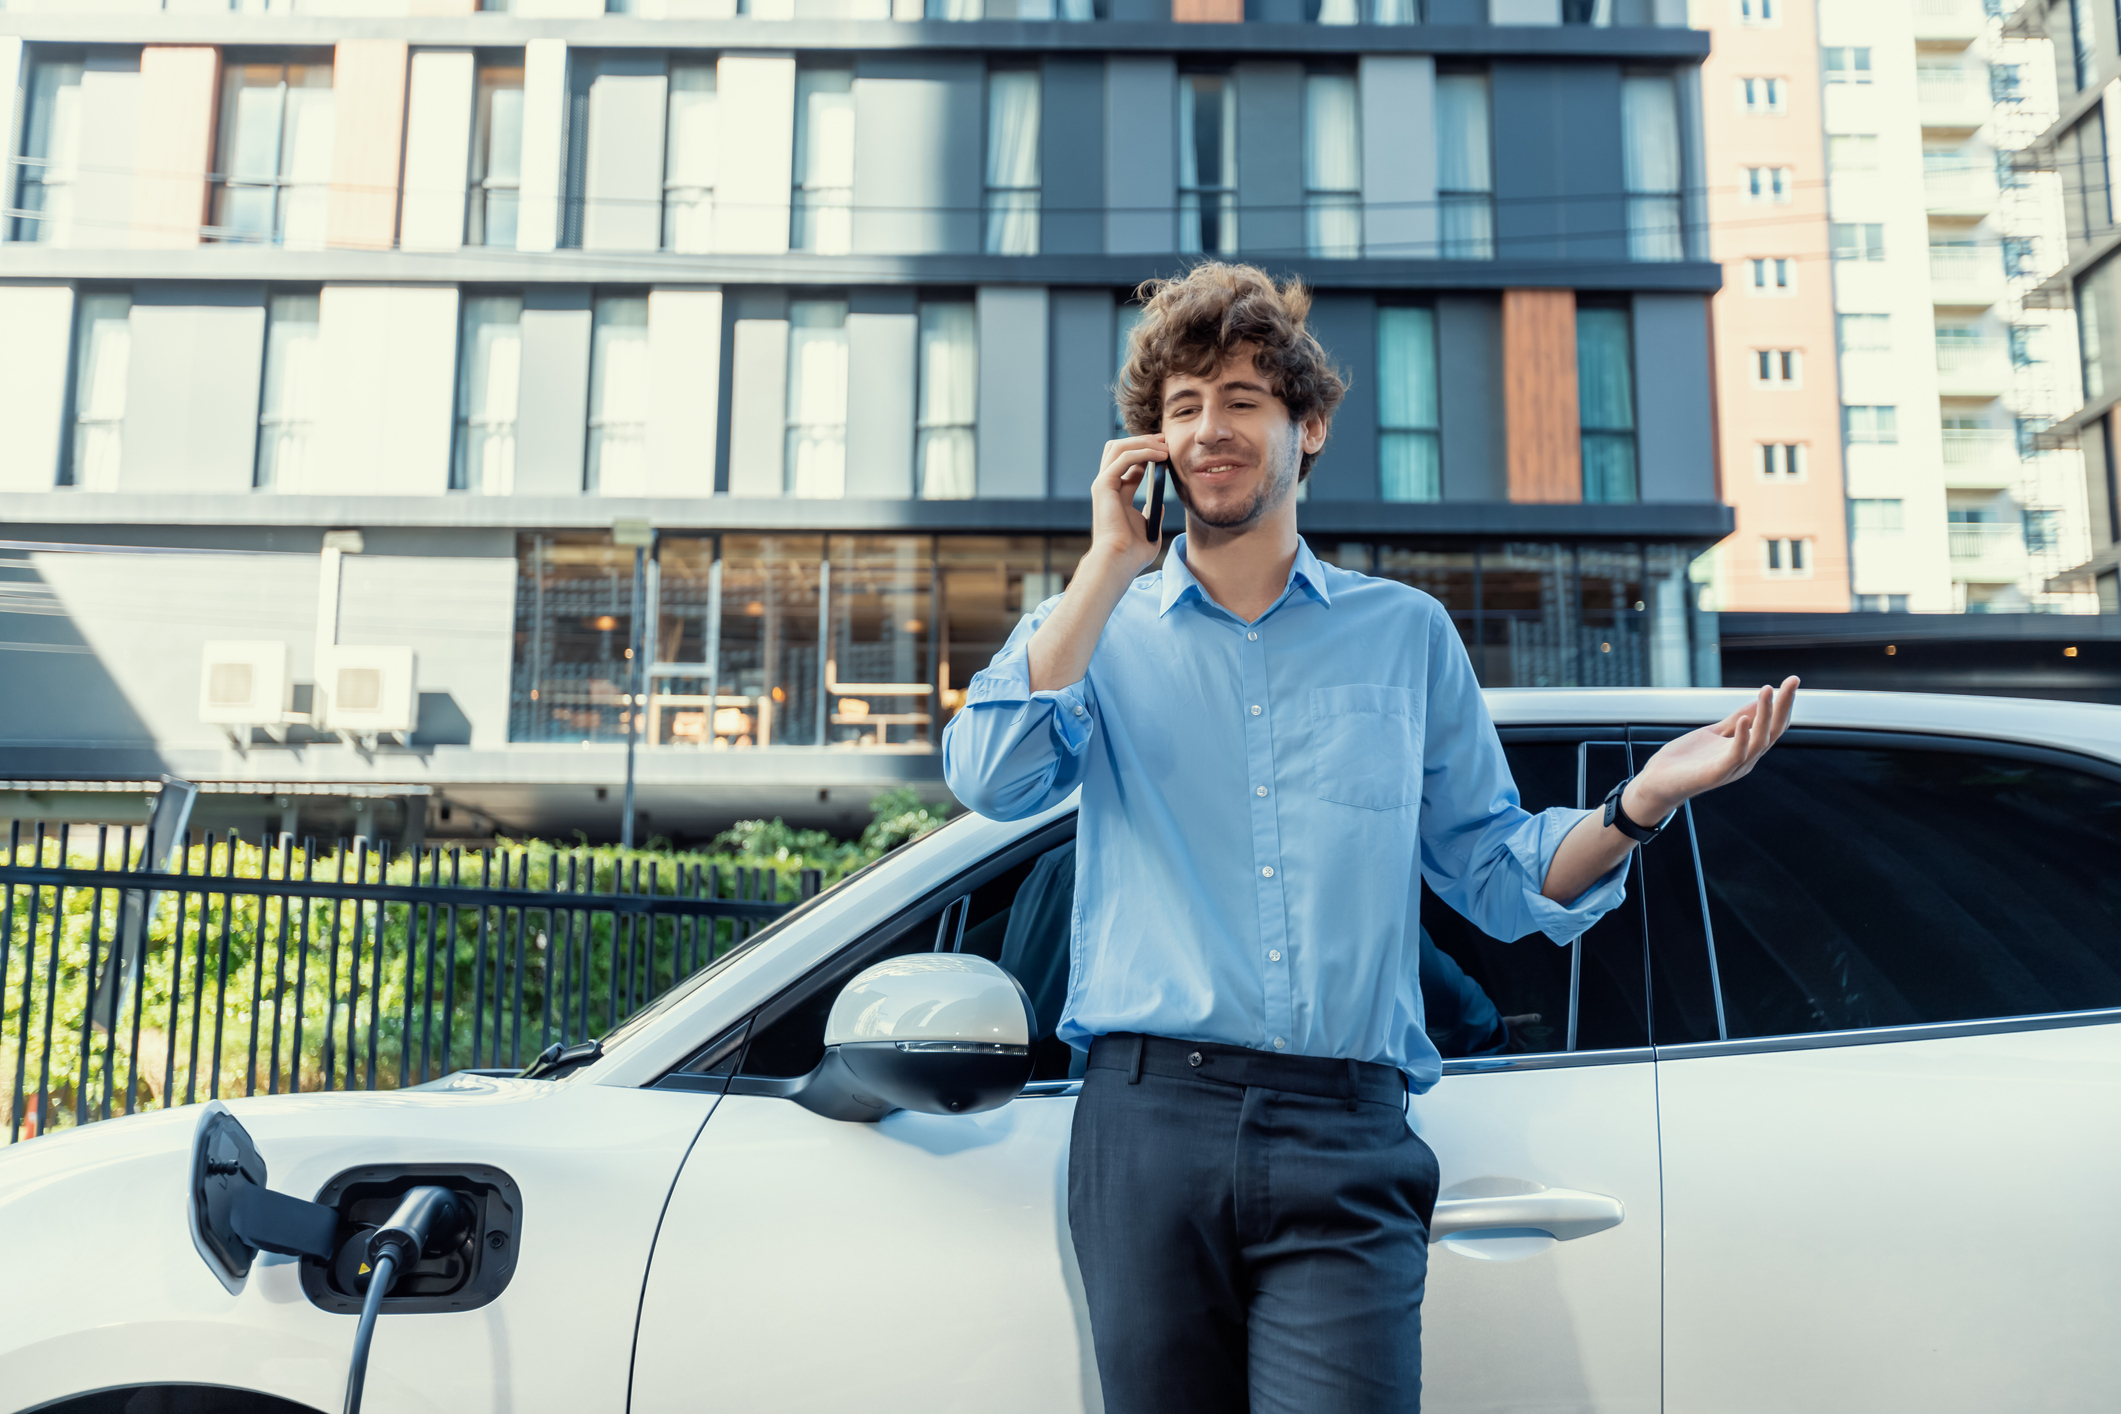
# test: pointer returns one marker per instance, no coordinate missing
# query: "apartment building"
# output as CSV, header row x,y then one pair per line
x,y
374,338
2087,73
1864,170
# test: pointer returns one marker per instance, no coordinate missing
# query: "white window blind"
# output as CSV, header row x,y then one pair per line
x,y
1650,135
1465,181
1012,162
1207,164
497,157
693,139
489,382
51,154
618,398
815,463
824,161
287,411
1409,463
1605,383
945,445
103,348
275,157
1332,166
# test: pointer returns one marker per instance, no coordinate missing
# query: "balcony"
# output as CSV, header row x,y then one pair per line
x,y
1972,368
1951,98
1965,275
1979,458
1949,19
1987,552
1958,191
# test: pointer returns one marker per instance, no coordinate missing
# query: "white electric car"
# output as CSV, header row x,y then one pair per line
x,y
1826,1117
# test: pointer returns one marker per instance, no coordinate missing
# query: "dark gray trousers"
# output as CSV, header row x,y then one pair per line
x,y
1252,1230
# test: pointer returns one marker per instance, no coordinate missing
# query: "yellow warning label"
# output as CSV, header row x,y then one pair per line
x,y
364,1270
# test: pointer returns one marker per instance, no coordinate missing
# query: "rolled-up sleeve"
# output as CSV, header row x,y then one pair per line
x,y
1011,752
1481,851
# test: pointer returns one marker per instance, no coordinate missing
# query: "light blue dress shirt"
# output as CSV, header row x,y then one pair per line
x,y
1260,802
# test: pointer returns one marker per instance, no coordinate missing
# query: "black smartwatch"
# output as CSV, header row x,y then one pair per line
x,y
1618,818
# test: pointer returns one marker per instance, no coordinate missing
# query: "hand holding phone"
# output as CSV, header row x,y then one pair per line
x,y
1153,520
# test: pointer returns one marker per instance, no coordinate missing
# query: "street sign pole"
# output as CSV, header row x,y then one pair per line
x,y
638,534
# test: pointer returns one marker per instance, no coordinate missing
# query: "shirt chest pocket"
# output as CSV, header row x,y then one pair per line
x,y
1366,745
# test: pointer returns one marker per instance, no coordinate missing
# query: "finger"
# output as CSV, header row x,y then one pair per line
x,y
1763,720
1742,735
1785,705
1134,456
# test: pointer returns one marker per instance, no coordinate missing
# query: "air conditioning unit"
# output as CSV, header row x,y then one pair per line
x,y
368,691
244,684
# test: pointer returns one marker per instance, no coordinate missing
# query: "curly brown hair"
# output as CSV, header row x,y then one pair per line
x,y
1190,325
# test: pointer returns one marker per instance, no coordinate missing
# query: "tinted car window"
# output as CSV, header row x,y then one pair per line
x,y
1860,886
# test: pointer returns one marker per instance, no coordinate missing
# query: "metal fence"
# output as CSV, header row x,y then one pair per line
x,y
266,967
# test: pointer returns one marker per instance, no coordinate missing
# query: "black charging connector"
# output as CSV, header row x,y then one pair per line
x,y
429,1221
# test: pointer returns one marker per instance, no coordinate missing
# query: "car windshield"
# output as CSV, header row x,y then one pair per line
x,y
635,1024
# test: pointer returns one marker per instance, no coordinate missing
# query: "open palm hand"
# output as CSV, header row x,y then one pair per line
x,y
1714,755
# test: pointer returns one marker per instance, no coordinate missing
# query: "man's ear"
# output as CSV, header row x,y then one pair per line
x,y
1313,433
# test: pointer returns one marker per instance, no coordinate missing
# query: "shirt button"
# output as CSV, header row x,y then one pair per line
x,y
1274,955
1255,709
1254,636
1078,711
1280,1044
1261,791
1267,872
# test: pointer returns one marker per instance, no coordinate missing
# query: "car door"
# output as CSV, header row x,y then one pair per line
x,y
924,1262
1885,1184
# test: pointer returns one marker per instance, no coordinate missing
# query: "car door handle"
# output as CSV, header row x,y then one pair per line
x,y
1560,1212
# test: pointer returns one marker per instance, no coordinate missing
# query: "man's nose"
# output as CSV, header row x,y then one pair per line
x,y
1212,426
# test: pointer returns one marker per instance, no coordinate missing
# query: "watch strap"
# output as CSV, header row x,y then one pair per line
x,y
1618,818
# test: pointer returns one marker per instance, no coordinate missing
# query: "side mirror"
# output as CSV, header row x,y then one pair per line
x,y
938,1033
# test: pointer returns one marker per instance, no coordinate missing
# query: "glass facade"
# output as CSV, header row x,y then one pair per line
x,y
864,642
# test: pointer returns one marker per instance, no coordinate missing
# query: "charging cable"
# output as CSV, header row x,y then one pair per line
x,y
429,1221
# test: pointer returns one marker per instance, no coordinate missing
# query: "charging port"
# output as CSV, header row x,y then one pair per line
x,y
464,1277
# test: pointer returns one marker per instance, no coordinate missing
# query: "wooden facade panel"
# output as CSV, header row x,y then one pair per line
x,y
1208,12
1541,436
175,151
368,141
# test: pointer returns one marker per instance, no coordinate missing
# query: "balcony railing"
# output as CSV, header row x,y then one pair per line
x,y
1986,541
1953,190
1972,448
1964,265
1969,355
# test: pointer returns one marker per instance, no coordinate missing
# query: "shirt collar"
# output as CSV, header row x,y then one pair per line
x,y
1178,580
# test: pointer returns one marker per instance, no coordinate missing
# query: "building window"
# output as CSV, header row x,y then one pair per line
x,y
824,161
2084,43
1332,166
103,347
1772,275
1207,164
1789,559
618,398
1881,603
1605,400
1782,461
2006,83
1778,368
693,126
2021,256
1012,162
1381,12
816,459
1857,240
1878,517
1649,110
2025,432
1465,180
2043,531
1760,12
1851,152
275,157
1864,333
1764,97
2087,182
496,156
51,153
1409,464
946,446
2028,343
1765,186
1870,425
1848,65
489,380
287,410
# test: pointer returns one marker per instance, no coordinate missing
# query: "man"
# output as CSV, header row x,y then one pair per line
x,y
1272,754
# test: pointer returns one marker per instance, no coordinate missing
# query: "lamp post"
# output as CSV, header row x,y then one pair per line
x,y
640,535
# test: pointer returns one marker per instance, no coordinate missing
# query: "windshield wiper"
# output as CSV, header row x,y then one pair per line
x,y
558,1057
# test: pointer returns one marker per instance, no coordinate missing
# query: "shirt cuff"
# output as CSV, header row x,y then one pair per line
x,y
1006,682
1534,846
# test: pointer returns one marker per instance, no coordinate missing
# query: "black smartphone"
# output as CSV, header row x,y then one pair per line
x,y
1154,520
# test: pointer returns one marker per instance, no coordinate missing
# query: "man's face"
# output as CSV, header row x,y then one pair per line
x,y
1235,451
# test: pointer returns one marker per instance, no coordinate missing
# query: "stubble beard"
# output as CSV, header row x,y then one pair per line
x,y
1279,485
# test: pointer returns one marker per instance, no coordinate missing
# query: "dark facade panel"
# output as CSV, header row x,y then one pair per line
x,y
1347,469
918,177
1071,156
1469,398
1674,445
1084,338
1559,176
1270,159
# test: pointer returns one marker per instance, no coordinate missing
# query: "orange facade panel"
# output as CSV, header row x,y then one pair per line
x,y
175,148
1208,12
1542,441
368,141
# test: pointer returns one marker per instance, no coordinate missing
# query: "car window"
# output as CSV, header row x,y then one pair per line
x,y
1682,991
1484,996
1864,884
